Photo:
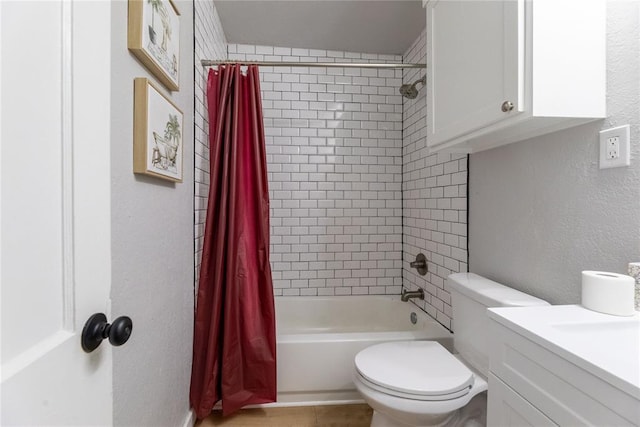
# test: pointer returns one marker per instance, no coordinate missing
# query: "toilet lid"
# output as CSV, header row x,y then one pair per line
x,y
422,368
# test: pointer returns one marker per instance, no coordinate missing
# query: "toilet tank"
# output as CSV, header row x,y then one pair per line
x,y
471,295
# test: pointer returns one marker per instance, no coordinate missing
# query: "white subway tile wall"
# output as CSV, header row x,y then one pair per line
x,y
345,173
210,43
434,203
334,155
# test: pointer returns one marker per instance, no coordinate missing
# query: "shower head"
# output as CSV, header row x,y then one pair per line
x,y
409,90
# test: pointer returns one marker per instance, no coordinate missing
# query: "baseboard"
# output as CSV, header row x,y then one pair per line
x,y
285,400
307,403
190,419
336,397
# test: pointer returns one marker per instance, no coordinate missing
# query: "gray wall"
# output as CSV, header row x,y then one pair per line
x,y
541,211
152,249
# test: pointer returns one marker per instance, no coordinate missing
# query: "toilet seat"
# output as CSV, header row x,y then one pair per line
x,y
400,394
391,368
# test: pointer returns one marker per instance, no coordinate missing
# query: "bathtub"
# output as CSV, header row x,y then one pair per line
x,y
318,338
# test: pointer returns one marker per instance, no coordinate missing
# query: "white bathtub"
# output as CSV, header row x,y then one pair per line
x,y
318,338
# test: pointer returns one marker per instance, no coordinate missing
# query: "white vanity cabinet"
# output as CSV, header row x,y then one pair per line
x,y
504,71
563,365
508,408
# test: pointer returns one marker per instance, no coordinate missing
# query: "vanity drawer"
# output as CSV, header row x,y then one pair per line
x,y
564,392
507,408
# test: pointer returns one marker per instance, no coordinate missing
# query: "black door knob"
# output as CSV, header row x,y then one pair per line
x,y
96,329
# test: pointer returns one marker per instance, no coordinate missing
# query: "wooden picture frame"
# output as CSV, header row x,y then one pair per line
x,y
157,133
154,38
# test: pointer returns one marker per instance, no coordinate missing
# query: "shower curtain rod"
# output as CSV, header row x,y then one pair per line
x,y
210,63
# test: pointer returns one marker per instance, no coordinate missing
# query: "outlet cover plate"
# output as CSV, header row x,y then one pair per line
x,y
624,155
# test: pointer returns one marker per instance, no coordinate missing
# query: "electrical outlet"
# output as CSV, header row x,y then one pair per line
x,y
614,147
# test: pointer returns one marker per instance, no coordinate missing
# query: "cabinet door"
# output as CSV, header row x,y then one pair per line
x,y
508,408
475,56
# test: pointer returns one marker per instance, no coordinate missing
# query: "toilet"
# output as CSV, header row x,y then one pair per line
x,y
420,383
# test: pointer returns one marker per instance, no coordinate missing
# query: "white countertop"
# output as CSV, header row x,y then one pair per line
x,y
604,345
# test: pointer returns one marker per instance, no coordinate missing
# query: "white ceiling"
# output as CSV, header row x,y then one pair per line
x,y
378,26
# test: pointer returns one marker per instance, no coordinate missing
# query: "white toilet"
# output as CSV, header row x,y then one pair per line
x,y
419,383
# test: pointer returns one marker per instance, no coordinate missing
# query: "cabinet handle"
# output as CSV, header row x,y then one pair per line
x,y
507,106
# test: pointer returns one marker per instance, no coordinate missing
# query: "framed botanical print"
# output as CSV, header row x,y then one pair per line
x,y
157,133
154,38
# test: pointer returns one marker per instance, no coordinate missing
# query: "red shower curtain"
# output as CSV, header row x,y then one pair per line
x,y
234,350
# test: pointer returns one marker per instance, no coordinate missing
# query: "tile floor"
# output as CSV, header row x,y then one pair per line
x,y
302,416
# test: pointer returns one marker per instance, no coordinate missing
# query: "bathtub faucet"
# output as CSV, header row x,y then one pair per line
x,y
412,294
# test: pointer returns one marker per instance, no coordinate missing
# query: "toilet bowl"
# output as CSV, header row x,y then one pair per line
x,y
416,383
420,383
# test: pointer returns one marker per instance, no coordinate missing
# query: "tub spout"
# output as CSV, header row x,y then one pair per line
x,y
406,295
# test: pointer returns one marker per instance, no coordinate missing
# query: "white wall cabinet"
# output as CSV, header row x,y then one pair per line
x,y
504,71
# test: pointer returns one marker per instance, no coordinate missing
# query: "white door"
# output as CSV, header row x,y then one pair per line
x,y
474,65
55,210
